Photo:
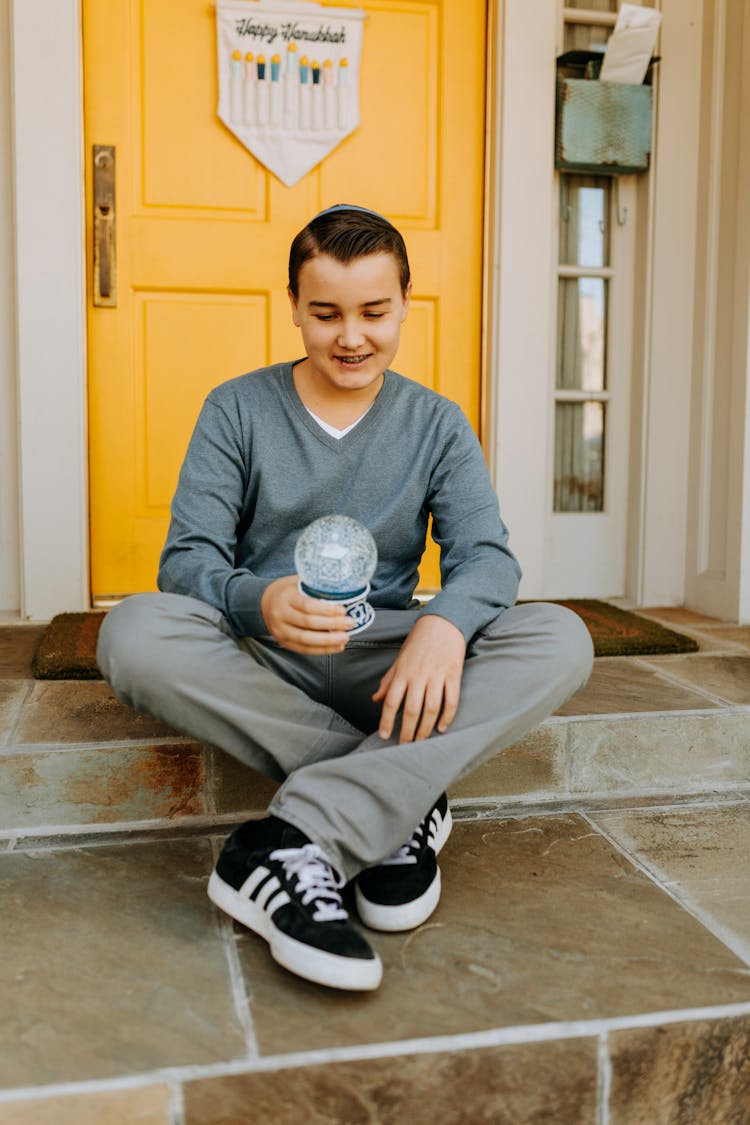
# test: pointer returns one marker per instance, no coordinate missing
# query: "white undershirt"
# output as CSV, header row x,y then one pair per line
x,y
329,429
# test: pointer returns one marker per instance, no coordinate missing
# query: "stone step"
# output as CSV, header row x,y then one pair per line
x,y
75,759
49,788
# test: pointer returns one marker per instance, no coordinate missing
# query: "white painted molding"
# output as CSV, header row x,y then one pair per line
x,y
661,522
50,248
523,270
10,582
718,551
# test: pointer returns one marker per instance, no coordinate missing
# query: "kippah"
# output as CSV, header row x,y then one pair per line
x,y
350,207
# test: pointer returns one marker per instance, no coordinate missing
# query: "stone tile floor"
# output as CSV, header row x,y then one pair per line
x,y
589,961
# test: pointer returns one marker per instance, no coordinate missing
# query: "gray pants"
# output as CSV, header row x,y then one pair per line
x,y
311,720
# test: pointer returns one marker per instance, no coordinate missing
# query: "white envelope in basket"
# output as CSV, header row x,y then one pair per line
x,y
631,45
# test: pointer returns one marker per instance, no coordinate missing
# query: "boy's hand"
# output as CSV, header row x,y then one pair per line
x,y
425,679
303,624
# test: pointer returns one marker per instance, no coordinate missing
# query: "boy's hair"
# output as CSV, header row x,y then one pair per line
x,y
346,232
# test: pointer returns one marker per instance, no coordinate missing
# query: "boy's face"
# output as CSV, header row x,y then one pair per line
x,y
350,317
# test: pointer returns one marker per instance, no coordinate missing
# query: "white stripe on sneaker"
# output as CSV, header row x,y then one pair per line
x,y
268,890
254,879
281,899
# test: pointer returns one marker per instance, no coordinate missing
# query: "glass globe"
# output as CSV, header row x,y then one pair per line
x,y
335,558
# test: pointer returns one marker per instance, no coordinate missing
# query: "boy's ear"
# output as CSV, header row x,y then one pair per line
x,y
407,299
295,309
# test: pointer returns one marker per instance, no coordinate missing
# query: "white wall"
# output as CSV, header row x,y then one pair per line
x,y
10,593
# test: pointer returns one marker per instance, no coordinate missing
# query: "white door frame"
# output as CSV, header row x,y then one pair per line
x,y
51,306
50,252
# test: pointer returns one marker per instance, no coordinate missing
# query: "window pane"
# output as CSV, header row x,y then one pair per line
x,y
579,457
581,334
584,230
583,36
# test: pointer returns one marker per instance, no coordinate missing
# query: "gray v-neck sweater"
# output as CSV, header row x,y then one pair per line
x,y
259,469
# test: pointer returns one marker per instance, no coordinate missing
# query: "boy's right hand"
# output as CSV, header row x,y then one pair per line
x,y
301,623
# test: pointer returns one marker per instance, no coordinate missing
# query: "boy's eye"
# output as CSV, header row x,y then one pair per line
x,y
374,315
324,316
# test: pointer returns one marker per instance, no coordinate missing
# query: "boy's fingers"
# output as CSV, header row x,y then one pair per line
x,y
414,709
317,623
430,711
391,703
385,683
303,640
451,697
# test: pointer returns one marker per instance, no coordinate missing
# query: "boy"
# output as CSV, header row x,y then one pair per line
x,y
365,732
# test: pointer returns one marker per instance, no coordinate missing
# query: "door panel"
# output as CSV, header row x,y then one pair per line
x,y
203,233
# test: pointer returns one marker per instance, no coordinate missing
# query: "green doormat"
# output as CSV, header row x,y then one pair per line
x,y
67,647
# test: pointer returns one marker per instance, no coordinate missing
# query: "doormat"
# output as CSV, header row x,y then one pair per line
x,y
67,647
617,632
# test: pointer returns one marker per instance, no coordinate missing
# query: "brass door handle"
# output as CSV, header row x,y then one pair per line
x,y
105,266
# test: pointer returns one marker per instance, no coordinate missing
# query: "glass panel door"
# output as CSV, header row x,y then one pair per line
x,y
592,373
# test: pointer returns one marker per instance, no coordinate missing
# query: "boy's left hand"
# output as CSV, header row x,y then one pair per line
x,y
424,680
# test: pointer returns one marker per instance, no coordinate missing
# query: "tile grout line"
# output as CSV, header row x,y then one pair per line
x,y
15,717
19,749
467,809
474,809
176,1104
567,749
210,781
236,976
604,1080
644,716
723,934
494,1037
117,828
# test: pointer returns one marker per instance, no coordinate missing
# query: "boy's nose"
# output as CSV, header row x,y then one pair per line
x,y
351,335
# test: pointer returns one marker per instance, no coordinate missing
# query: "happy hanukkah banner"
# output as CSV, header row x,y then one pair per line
x,y
288,79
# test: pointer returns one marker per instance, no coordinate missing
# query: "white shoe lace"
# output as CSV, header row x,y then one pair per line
x,y
316,880
407,853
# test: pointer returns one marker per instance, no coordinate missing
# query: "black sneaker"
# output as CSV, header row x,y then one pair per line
x,y
403,891
273,880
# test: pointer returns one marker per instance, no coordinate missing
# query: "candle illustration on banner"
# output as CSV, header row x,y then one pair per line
x,y
304,93
236,86
290,87
329,94
275,91
261,91
317,98
249,89
342,93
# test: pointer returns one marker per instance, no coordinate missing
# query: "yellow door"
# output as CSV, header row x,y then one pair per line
x,y
203,233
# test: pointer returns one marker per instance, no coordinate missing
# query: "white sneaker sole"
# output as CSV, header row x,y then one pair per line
x,y
350,973
408,915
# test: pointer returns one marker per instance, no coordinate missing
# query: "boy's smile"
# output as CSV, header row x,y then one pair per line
x,y
350,316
